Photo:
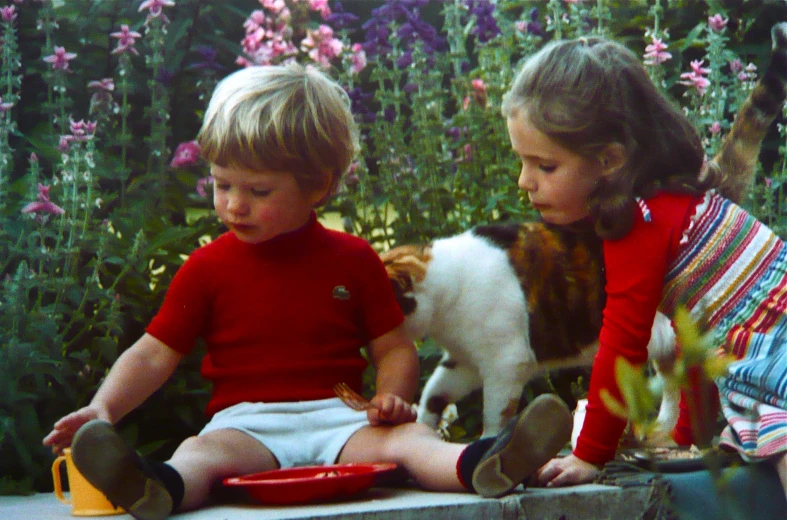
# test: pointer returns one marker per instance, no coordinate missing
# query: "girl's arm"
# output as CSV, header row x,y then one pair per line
x,y
137,373
396,363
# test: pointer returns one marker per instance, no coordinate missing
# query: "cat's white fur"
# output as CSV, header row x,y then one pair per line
x,y
471,303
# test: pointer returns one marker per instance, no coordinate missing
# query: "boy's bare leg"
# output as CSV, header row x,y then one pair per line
x,y
205,460
416,447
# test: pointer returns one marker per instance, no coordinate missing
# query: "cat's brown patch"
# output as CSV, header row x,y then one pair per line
x,y
735,163
562,277
406,266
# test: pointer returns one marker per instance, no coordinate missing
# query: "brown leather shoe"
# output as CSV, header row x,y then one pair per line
x,y
116,470
528,441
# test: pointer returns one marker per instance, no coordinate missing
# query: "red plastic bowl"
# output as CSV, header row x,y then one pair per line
x,y
310,483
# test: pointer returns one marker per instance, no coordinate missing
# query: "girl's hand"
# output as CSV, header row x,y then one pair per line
x,y
391,409
63,432
566,471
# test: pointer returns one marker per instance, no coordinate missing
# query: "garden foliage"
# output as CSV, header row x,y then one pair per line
x,y
103,193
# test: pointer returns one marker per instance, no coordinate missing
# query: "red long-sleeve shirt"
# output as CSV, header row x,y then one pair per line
x,y
283,320
636,266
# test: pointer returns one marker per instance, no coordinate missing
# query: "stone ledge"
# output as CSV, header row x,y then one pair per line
x,y
586,502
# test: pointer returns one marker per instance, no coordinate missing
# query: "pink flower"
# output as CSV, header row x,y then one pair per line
x,y
186,154
479,93
715,128
155,7
65,143
60,58
697,68
358,58
736,66
320,6
717,23
126,40
5,106
8,13
696,77
43,204
324,47
465,154
655,53
106,84
82,131
201,184
276,6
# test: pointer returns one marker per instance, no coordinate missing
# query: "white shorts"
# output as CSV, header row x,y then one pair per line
x,y
301,433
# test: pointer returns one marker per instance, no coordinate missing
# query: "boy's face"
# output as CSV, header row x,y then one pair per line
x,y
260,205
557,180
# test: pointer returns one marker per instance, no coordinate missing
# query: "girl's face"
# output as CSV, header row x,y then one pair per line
x,y
260,205
557,180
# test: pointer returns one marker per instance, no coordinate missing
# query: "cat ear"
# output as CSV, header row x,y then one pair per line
x,y
612,158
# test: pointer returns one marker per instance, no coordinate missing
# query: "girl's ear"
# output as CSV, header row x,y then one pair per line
x,y
612,158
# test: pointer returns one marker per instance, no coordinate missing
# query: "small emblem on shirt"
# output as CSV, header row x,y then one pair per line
x,y
340,292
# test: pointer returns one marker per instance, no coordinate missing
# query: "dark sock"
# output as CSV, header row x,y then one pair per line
x,y
469,459
171,479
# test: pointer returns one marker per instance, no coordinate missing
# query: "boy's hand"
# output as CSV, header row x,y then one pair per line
x,y
391,409
63,432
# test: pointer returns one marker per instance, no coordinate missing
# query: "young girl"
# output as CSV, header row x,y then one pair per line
x,y
285,306
601,145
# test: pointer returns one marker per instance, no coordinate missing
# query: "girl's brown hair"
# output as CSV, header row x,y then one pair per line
x,y
281,118
589,93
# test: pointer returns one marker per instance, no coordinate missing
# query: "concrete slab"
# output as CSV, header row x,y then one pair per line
x,y
587,502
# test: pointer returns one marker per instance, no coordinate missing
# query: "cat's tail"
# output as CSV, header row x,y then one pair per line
x,y
735,163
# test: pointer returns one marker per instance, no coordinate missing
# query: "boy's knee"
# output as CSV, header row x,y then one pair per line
x,y
409,432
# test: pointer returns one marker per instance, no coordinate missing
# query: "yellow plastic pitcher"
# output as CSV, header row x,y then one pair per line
x,y
85,500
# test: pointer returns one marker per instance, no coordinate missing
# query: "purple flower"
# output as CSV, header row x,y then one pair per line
x,y
126,39
60,58
165,76
389,114
412,28
208,56
486,25
533,26
338,19
405,60
359,104
43,205
186,154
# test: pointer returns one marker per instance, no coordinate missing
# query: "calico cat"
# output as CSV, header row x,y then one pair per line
x,y
509,301
506,302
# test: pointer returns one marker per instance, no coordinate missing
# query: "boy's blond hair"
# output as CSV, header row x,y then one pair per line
x,y
281,118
